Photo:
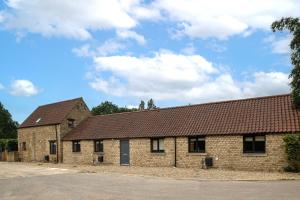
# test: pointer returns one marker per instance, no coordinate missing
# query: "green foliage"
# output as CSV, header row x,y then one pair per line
x,y
292,149
108,107
8,127
8,144
293,26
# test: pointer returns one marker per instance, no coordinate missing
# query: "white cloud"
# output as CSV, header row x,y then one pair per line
x,y
195,18
189,49
267,84
127,34
73,19
169,76
221,19
1,87
279,45
23,88
107,48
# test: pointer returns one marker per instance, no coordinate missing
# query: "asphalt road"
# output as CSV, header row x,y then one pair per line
x,y
75,185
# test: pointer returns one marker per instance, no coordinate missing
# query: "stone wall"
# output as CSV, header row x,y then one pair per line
x,y
78,113
37,138
227,152
111,152
37,142
141,155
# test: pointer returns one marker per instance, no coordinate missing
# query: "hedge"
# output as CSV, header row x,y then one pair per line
x,y
292,150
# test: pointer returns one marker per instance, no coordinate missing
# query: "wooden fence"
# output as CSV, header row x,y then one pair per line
x,y
9,156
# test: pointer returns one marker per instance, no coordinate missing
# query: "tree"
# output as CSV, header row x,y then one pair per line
x,y
108,107
104,108
293,26
151,104
142,105
8,127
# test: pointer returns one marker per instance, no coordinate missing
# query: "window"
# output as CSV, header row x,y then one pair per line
x,y
76,146
197,144
24,146
52,145
98,145
157,145
71,123
254,144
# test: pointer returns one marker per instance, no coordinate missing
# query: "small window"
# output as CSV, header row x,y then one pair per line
x,y
254,144
76,146
52,145
98,145
157,145
24,146
197,144
71,123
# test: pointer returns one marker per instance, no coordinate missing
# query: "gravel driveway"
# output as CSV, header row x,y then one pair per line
x,y
35,181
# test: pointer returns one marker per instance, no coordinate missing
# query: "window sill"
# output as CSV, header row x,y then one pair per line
x,y
99,152
158,153
196,154
255,154
76,152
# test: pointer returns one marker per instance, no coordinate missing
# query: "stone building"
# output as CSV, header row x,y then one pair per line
x,y
40,135
240,134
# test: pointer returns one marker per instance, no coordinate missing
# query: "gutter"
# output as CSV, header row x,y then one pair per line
x,y
175,152
56,143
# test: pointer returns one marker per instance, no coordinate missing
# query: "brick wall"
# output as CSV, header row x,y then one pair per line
x,y
227,152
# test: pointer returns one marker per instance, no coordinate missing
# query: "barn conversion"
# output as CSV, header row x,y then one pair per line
x,y
239,134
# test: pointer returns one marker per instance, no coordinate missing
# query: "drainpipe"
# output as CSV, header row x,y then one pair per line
x,y
56,143
175,152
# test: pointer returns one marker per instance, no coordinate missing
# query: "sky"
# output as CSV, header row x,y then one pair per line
x,y
177,52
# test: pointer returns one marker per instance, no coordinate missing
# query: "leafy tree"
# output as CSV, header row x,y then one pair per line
x,y
151,104
8,127
104,108
108,107
142,105
293,26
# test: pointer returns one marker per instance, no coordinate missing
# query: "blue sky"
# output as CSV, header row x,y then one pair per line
x,y
176,52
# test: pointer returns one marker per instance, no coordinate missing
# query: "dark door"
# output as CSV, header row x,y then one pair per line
x,y
124,152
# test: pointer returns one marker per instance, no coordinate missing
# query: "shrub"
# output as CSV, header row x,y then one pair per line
x,y
8,144
292,150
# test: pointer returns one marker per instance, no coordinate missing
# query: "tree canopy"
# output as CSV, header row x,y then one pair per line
x,y
293,26
108,107
8,127
151,105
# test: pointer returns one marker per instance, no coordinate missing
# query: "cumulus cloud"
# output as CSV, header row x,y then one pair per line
x,y
73,19
221,19
279,45
170,76
23,88
127,34
194,18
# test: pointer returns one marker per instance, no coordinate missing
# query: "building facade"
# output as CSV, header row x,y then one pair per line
x,y
40,135
241,134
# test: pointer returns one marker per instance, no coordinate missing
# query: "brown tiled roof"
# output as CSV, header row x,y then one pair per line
x,y
50,114
272,114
